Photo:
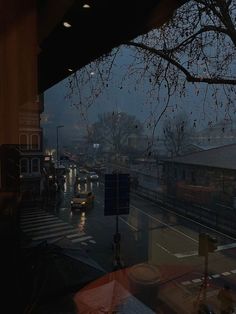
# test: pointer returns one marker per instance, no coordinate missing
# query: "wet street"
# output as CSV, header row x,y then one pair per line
x,y
150,233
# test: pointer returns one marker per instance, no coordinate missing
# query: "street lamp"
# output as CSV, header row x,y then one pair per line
x,y
58,127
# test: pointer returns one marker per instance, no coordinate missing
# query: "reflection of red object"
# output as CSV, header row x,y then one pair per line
x,y
195,193
111,290
104,294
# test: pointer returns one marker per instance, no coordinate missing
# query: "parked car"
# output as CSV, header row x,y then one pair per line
x,y
92,176
82,201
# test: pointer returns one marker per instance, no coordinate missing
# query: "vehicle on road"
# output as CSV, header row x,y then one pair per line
x,y
92,176
81,179
82,201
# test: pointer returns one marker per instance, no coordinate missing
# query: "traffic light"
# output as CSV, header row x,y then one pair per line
x,y
206,244
212,244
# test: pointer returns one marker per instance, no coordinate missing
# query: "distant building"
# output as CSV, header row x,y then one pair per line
x,y
220,134
30,146
209,174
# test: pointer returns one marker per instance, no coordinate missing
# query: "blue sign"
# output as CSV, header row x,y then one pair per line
x,y
117,188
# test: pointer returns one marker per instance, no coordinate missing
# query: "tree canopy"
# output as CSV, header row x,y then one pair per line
x,y
196,47
113,129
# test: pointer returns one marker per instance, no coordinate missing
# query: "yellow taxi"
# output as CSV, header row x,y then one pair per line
x,y
82,200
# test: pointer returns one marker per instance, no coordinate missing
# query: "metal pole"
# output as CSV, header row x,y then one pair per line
x,y
117,220
57,145
117,235
205,277
59,126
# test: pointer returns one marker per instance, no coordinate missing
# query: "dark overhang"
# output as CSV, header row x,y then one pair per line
x,y
97,26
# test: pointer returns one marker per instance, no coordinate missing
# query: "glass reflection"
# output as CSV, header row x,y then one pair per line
x,y
82,222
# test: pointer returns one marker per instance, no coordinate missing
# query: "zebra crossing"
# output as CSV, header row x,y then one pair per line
x,y
40,225
210,277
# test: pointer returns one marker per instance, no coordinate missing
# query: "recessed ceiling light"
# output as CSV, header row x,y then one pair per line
x,y
86,6
70,70
66,24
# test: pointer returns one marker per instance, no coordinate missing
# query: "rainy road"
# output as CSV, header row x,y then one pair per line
x,y
150,233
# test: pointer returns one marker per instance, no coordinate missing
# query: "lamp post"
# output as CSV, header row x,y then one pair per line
x,y
58,127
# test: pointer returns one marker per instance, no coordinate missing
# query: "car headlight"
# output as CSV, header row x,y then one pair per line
x,y
71,202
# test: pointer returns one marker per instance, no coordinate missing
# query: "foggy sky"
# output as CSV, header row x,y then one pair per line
x,y
59,111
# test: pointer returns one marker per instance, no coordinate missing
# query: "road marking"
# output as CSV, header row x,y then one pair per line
x,y
81,239
34,214
29,214
37,218
37,222
55,240
165,224
84,243
226,246
163,248
53,235
197,280
195,253
75,235
187,218
37,228
128,223
53,229
183,255
31,210
185,283
92,241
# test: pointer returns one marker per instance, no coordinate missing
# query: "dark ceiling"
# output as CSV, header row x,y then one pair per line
x,y
94,31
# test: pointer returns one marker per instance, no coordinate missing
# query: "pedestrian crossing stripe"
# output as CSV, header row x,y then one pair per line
x,y
185,283
37,218
75,235
81,239
53,229
40,225
52,235
214,276
43,222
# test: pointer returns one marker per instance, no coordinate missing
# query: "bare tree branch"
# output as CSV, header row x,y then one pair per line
x,y
189,76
